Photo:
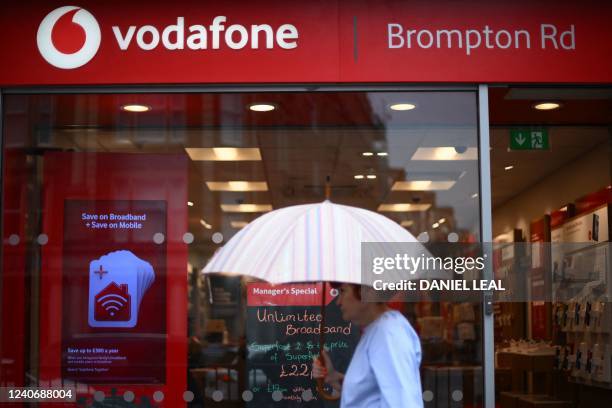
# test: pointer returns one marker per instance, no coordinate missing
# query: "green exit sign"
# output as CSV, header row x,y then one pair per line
x,y
529,139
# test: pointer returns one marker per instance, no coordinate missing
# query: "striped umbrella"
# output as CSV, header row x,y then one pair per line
x,y
306,243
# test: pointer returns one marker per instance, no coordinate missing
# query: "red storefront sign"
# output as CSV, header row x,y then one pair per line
x,y
189,41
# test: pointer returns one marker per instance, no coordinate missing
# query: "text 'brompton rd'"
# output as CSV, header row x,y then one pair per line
x,y
549,37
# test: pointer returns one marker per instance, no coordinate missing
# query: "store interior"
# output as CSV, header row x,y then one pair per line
x,y
411,156
553,351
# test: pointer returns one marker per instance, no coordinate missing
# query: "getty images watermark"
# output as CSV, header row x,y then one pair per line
x,y
516,272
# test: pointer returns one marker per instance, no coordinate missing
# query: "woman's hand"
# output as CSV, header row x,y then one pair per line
x,y
327,371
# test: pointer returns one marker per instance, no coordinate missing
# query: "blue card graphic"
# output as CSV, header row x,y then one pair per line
x,y
117,283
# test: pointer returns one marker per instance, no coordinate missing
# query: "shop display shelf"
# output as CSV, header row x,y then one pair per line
x,y
590,383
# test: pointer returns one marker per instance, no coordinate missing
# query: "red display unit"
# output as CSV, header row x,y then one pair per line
x,y
539,231
13,291
113,288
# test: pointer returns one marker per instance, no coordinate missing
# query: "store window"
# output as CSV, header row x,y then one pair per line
x,y
551,161
114,203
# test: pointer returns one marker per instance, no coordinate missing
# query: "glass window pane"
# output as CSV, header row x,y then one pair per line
x,y
113,204
551,176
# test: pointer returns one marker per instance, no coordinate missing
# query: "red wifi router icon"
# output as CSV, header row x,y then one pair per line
x,y
113,303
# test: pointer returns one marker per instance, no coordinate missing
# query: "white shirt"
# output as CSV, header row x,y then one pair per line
x,y
384,370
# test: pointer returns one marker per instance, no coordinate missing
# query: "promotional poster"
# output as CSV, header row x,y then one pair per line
x,y
283,332
114,291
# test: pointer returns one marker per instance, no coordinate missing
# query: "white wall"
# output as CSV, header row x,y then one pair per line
x,y
586,174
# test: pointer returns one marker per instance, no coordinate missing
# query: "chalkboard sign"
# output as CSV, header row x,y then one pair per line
x,y
283,329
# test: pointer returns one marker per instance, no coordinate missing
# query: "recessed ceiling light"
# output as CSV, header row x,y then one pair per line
x,y
508,167
238,224
445,153
136,108
262,107
223,153
441,220
205,224
382,154
371,176
359,176
237,185
402,106
422,185
403,207
435,225
190,203
547,105
246,208
367,154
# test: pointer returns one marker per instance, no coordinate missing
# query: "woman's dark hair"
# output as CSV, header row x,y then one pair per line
x,y
356,288
335,285
382,298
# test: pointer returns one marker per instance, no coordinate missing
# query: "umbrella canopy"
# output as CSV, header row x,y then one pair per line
x,y
305,243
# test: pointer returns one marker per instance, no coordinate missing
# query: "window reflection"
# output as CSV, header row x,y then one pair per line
x,y
218,165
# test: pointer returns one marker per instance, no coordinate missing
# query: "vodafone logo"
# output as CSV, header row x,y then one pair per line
x,y
68,37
